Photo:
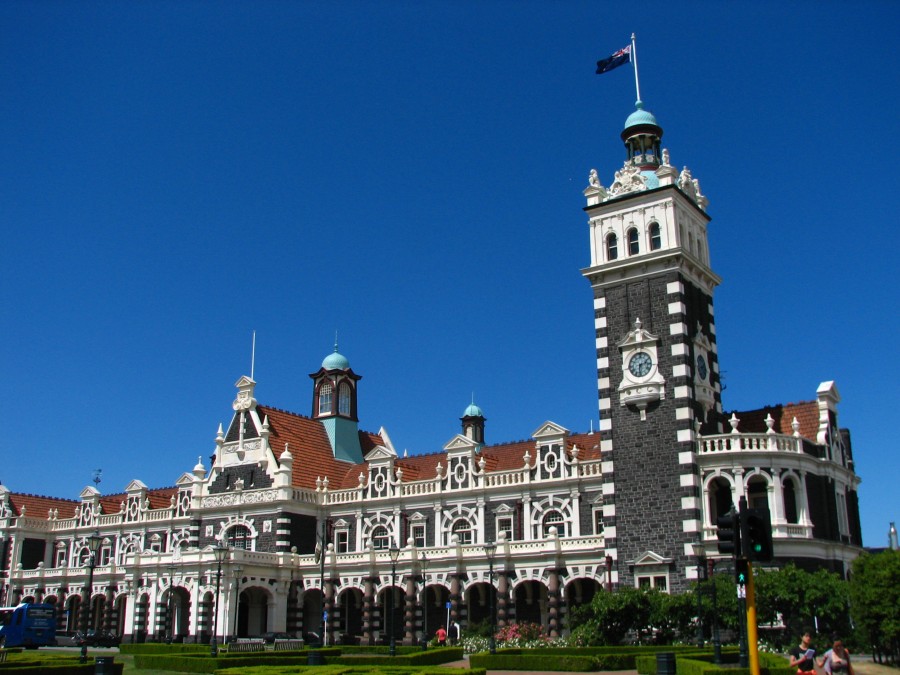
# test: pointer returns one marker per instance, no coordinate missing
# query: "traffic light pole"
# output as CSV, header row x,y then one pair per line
x,y
752,639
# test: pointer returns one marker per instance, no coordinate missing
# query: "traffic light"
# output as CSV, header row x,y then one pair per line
x,y
741,571
729,533
756,530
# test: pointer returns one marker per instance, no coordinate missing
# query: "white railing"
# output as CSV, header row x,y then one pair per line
x,y
749,443
591,468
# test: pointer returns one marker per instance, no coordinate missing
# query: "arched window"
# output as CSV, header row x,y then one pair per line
x,y
720,499
655,237
463,530
633,243
239,537
612,246
791,512
344,399
554,519
381,538
757,493
325,393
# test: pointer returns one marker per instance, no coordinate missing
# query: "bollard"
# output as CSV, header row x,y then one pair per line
x,y
665,663
103,665
314,658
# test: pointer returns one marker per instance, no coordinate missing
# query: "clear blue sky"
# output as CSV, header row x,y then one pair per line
x,y
175,175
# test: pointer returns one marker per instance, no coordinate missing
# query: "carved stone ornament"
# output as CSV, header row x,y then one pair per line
x,y
628,179
243,402
642,383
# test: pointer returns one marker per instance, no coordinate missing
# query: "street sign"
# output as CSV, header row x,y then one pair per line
x,y
448,605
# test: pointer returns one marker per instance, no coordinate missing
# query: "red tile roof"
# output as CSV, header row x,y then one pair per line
x,y
37,506
806,412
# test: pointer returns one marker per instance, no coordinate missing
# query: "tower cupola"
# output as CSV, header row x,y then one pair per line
x,y
334,404
642,136
473,420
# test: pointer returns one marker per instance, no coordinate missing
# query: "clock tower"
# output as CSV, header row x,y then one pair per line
x,y
657,367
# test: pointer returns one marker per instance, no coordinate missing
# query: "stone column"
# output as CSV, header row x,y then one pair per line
x,y
454,599
368,612
409,611
502,599
329,609
553,604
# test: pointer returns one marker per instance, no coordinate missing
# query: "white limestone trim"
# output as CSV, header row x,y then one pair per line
x,y
605,424
600,303
679,328
690,525
605,403
684,413
690,502
680,371
682,391
674,287
677,308
686,457
685,435
680,349
688,480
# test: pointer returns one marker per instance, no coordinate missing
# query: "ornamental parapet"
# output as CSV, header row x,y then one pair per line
x,y
738,442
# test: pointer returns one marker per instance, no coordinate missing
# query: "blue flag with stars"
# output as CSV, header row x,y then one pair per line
x,y
620,58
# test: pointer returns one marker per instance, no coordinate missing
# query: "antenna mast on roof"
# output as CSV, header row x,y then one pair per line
x,y
253,355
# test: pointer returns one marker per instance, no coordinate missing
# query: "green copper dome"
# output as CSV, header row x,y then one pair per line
x,y
640,116
473,411
335,361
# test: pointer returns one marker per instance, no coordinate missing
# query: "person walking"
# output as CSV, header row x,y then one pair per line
x,y
441,635
803,656
837,659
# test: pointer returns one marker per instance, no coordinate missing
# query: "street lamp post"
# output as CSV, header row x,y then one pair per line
x,y
489,550
700,552
423,563
219,552
717,644
238,573
394,553
94,541
170,624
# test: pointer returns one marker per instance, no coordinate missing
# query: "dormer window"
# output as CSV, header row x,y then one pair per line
x,y
633,243
655,237
325,394
344,399
612,246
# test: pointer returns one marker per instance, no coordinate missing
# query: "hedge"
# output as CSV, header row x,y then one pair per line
x,y
348,670
55,665
414,657
504,661
194,663
162,648
700,663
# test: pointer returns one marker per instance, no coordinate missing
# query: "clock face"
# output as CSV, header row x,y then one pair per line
x,y
702,370
640,364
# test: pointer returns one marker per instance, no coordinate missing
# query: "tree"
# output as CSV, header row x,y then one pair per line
x,y
611,616
803,599
875,602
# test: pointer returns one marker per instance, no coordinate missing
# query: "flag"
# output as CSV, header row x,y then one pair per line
x,y
620,58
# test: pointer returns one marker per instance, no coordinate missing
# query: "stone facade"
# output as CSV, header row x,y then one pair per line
x,y
315,517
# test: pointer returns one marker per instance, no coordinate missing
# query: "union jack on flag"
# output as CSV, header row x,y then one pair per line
x,y
620,58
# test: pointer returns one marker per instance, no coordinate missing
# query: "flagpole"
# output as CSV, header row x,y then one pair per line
x,y
637,83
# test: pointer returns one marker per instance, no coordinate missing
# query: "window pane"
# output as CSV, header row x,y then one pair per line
x,y
344,399
325,392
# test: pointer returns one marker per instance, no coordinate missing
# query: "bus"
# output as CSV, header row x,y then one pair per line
x,y
28,625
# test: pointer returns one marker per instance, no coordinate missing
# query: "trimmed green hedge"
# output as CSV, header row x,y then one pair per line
x,y
505,661
414,657
348,670
701,663
162,648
